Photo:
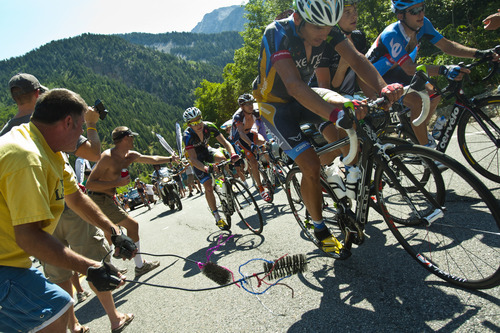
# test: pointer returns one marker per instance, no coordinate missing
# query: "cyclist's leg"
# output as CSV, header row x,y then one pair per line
x,y
283,121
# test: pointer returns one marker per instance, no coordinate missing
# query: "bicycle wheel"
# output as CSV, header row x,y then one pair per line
x,y
246,207
457,239
293,181
482,153
178,201
424,174
223,206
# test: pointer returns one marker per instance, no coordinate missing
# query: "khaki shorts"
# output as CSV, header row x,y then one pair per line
x,y
115,213
81,237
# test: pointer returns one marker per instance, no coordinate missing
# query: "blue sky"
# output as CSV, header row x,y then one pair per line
x,y
26,25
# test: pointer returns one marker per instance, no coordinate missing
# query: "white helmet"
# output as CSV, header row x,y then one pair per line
x,y
191,113
320,12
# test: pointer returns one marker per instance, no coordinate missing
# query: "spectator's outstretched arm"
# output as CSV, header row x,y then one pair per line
x,y
492,22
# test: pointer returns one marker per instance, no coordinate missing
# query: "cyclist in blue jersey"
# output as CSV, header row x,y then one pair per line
x,y
196,138
395,50
247,136
291,49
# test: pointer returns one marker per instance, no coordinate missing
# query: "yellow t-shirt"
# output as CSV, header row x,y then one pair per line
x,y
33,182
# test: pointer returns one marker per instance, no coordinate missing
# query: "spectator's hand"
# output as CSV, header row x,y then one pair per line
x,y
104,278
453,72
492,22
91,117
124,245
122,181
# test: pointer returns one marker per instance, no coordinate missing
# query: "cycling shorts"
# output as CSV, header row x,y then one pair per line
x,y
283,121
205,158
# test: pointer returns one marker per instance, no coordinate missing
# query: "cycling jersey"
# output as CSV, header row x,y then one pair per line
x,y
331,59
193,141
281,41
390,47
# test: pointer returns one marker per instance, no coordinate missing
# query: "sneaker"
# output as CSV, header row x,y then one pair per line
x,y
265,195
146,267
440,166
431,143
83,296
331,245
222,224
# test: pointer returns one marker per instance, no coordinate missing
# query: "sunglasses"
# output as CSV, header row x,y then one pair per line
x,y
416,10
195,122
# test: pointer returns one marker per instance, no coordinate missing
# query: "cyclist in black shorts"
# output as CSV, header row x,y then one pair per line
x,y
195,139
248,137
291,49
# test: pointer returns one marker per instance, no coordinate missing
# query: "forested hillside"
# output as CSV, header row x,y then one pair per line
x,y
216,49
142,88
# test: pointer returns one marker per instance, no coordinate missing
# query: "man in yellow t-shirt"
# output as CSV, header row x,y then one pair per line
x,y
34,184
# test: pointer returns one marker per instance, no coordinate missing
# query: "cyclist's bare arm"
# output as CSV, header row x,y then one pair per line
x,y
364,69
193,158
243,135
455,49
222,140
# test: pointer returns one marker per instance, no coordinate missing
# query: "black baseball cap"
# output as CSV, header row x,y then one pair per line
x,y
26,83
121,132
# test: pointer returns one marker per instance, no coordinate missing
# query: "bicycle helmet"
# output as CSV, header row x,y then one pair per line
x,y
245,98
190,114
401,5
320,12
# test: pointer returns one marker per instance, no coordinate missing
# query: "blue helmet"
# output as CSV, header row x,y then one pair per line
x,y
401,5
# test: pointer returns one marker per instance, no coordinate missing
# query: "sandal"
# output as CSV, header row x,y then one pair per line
x,y
128,319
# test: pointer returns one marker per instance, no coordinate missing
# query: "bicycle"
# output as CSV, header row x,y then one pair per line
x,y
448,222
272,174
474,118
234,196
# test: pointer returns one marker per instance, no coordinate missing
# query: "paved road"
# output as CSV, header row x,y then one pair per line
x,y
379,289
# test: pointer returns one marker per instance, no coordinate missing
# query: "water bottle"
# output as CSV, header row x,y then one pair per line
x,y
438,127
335,181
352,181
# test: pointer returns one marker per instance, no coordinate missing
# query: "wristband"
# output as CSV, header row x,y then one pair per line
x,y
89,128
333,115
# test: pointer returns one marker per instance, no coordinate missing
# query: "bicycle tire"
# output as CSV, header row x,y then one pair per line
x,y
246,206
460,246
301,214
423,176
178,201
472,138
223,206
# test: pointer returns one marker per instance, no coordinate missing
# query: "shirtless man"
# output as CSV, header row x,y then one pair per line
x,y
106,177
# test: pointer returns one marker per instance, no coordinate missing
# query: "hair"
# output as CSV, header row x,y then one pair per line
x,y
57,104
21,99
